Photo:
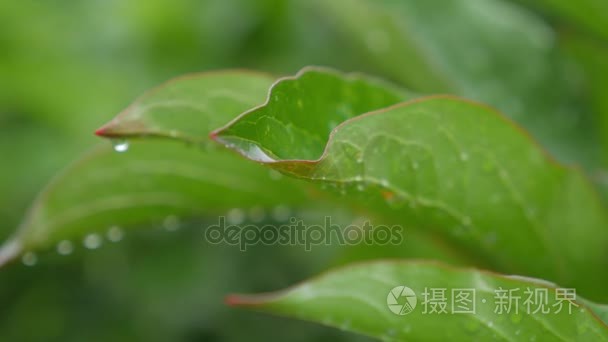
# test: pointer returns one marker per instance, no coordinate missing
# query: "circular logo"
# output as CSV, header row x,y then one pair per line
x,y
401,300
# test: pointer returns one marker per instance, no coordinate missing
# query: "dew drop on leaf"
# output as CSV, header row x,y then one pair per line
x,y
65,247
281,213
115,234
171,223
235,216
92,241
29,259
257,214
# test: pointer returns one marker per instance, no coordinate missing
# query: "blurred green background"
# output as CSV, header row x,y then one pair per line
x,y
66,67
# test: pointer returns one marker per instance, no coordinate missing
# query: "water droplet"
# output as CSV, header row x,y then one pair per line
x,y
29,259
384,183
65,247
360,186
257,214
490,324
235,216
120,145
466,221
281,213
415,165
115,234
171,223
92,241
517,332
464,156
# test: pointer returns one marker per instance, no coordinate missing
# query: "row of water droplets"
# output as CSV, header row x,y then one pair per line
x,y
90,241
171,223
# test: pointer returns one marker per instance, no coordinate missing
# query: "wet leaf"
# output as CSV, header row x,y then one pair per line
x,y
452,167
443,303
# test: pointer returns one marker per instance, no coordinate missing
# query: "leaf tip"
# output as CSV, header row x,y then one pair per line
x,y
243,300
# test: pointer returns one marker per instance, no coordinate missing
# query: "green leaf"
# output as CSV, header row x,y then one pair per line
x,y
452,167
490,51
157,182
362,297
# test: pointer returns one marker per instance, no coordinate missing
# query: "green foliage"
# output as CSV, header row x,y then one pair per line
x,y
472,189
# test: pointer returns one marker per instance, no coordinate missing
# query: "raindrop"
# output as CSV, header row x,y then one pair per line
x,y
92,241
466,221
65,247
517,332
115,234
281,213
415,165
120,145
171,223
464,156
235,216
29,259
257,214
360,187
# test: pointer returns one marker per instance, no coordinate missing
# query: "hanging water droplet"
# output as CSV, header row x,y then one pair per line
x,y
29,259
235,216
281,213
92,241
120,145
115,234
171,223
65,247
